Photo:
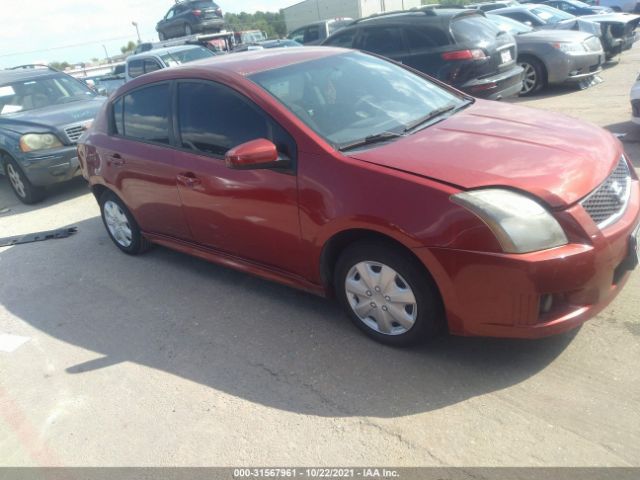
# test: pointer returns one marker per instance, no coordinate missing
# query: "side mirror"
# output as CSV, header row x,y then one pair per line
x,y
259,153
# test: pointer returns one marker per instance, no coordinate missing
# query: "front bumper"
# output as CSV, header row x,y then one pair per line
x,y
502,295
47,167
563,67
503,85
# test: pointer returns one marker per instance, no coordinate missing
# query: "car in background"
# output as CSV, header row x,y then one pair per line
x,y
616,30
552,56
106,84
488,6
160,58
315,33
249,36
43,112
190,16
279,43
617,5
635,102
457,46
576,7
418,207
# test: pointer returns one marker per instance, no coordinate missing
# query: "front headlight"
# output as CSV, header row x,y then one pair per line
x,y
38,141
570,47
519,223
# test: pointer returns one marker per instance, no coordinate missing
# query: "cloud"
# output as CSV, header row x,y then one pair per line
x,y
83,27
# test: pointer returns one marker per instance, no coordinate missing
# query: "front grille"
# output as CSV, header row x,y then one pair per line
x,y
608,202
593,44
74,132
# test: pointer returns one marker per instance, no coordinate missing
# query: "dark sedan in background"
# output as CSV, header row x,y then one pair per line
x,y
189,17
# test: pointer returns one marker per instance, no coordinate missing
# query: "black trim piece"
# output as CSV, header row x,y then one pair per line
x,y
38,236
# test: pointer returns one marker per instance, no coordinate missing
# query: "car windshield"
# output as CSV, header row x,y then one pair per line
x,y
350,97
578,4
41,92
508,25
185,56
550,15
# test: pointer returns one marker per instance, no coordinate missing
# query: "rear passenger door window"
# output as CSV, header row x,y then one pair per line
x,y
146,114
151,65
212,119
136,68
343,39
425,38
383,40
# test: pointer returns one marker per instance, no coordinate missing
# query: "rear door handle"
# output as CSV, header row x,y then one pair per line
x,y
116,160
188,179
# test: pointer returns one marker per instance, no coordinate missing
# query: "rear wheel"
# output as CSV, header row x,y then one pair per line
x,y
534,75
121,226
20,184
386,295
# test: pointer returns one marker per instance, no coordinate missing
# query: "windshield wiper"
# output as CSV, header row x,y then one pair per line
x,y
377,138
430,116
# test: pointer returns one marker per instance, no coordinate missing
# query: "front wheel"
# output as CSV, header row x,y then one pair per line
x,y
121,225
386,295
25,191
534,78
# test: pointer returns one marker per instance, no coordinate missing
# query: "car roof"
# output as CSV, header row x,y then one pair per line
x,y
10,76
163,51
439,15
525,7
245,63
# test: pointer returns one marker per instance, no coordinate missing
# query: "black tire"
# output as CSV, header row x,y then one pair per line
x,y
26,192
187,30
162,36
429,319
139,244
535,76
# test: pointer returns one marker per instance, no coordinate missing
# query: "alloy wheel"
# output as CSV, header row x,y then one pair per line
x,y
381,298
530,79
16,181
117,223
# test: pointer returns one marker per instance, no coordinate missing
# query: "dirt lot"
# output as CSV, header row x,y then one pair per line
x,y
167,360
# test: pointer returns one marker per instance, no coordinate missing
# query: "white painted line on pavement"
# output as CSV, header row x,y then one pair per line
x,y
10,343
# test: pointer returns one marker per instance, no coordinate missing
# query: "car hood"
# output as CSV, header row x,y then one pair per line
x,y
554,36
53,117
580,24
554,157
613,17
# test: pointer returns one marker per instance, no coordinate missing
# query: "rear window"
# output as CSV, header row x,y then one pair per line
x,y
203,4
474,29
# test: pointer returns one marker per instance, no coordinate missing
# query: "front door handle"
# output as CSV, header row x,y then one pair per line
x,y
188,179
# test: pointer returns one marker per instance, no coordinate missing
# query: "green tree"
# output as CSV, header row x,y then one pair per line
x,y
129,47
272,23
59,65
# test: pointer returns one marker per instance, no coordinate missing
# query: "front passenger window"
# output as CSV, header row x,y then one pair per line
x,y
213,118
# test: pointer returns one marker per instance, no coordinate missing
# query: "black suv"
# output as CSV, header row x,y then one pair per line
x,y
189,17
459,47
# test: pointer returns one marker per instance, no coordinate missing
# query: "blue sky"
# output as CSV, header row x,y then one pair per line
x,y
34,30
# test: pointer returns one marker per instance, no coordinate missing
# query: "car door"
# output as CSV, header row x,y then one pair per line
x,y
166,25
251,214
140,163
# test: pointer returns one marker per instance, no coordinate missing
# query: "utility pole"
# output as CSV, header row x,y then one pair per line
x,y
106,53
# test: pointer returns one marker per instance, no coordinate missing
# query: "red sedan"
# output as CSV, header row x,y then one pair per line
x,y
344,174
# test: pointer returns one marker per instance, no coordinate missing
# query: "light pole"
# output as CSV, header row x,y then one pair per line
x,y
135,24
106,53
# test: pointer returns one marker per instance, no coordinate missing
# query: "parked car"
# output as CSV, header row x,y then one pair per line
x,y
552,56
616,30
635,101
190,16
617,5
345,174
284,43
577,8
43,112
488,6
164,57
315,33
106,84
458,46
